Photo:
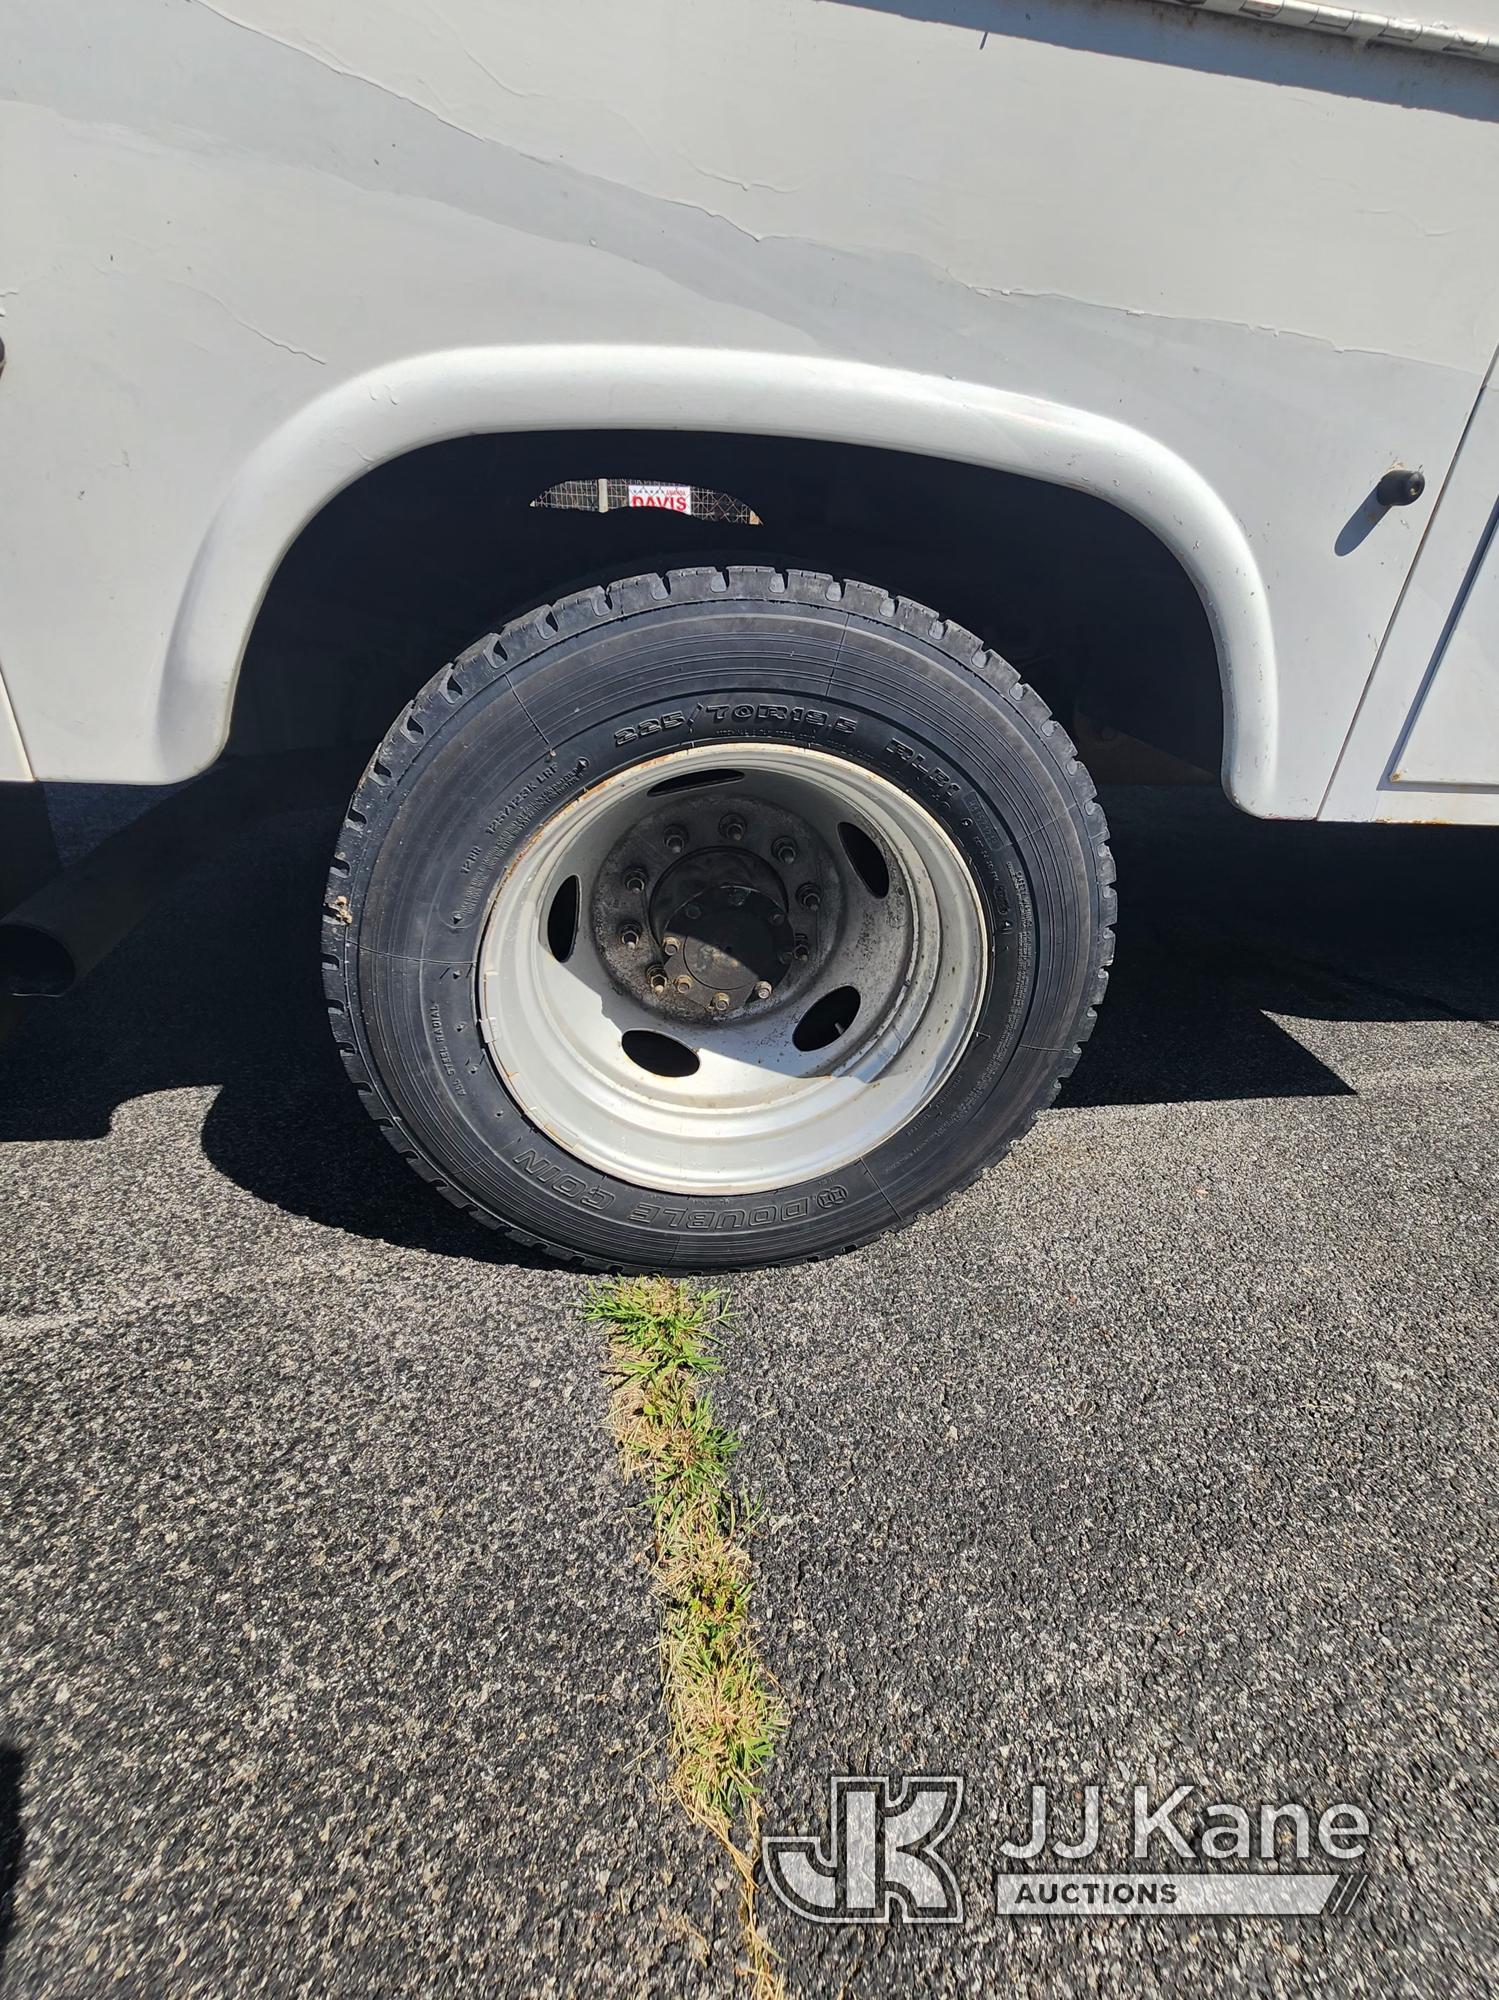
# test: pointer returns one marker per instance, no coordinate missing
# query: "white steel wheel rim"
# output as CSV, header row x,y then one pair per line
x,y
758,1112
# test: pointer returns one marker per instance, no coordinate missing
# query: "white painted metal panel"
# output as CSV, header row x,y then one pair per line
x,y
1269,259
15,767
1454,734
1365,785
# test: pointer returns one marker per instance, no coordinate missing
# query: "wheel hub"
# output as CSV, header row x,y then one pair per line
x,y
720,919
703,914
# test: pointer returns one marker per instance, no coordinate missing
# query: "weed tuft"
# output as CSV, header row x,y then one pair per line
x,y
723,1711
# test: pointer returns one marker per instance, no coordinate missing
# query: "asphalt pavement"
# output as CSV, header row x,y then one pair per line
x,y
1165,1454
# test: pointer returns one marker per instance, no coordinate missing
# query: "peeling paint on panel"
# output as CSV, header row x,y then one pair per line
x,y
1383,32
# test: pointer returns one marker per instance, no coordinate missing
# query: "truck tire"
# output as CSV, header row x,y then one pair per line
x,y
717,918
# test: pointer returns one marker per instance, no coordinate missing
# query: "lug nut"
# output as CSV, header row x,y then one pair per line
x,y
720,1003
784,851
809,896
629,934
763,989
672,944
656,979
634,878
676,839
800,952
684,982
731,826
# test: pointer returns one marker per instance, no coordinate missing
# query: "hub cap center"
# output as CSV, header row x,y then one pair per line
x,y
732,944
719,914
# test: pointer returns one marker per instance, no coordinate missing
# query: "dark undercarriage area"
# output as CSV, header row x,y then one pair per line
x,y
421,556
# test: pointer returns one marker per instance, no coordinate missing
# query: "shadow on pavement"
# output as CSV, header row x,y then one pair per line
x,y
1224,921
12,1841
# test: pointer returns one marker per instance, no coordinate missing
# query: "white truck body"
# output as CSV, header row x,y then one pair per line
x,y
1222,267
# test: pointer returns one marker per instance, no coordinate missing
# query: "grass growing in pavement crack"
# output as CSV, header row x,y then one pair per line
x,y
724,1713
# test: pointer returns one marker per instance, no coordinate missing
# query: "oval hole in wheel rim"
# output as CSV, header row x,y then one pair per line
x,y
691,782
868,863
662,1055
562,921
826,1019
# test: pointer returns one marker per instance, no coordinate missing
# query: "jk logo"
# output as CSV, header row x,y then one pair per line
x,y
880,1858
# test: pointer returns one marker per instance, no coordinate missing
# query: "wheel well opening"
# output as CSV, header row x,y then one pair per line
x,y
422,555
